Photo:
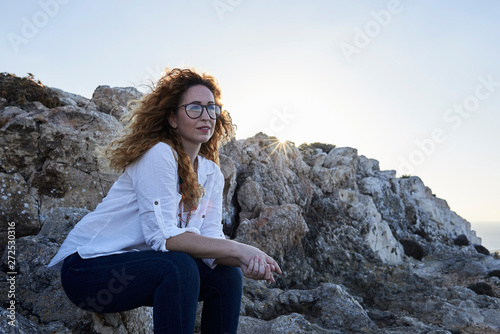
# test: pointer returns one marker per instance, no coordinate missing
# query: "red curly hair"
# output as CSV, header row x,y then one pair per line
x,y
147,124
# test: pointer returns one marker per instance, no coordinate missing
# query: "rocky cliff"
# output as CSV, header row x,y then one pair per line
x,y
363,251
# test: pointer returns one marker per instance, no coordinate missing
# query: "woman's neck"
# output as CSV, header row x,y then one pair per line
x,y
192,152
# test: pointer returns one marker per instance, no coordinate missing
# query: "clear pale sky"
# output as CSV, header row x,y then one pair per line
x,y
412,84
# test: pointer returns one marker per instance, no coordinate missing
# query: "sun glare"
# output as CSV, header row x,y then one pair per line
x,y
280,148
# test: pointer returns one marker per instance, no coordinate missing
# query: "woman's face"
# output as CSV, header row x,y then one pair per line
x,y
194,132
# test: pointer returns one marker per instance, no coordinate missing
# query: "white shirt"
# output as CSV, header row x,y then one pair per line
x,y
141,209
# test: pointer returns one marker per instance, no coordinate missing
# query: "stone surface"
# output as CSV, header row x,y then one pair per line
x,y
12,323
113,101
332,219
41,299
48,160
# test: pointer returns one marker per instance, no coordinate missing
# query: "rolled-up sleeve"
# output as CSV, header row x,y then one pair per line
x,y
155,183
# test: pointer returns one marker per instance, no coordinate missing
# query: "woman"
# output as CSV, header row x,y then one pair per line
x,y
156,239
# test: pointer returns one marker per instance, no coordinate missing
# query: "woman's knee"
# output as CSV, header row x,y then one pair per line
x,y
231,279
236,279
234,275
181,266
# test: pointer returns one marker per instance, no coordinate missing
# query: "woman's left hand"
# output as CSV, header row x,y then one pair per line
x,y
259,269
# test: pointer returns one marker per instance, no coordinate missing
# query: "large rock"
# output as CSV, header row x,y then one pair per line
x,y
21,91
114,101
12,323
362,251
48,160
41,299
279,231
432,214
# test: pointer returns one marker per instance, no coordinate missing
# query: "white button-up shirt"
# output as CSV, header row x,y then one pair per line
x,y
141,210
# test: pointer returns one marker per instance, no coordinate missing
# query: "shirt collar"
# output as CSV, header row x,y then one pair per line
x,y
205,168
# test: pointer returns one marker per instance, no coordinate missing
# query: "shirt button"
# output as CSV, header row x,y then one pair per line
x,y
203,216
156,202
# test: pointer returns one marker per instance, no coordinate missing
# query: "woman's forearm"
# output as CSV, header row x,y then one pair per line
x,y
228,261
203,247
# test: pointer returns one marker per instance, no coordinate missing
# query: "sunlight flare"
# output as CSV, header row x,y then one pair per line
x,y
280,148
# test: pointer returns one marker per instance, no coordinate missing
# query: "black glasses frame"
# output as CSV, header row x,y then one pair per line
x,y
217,115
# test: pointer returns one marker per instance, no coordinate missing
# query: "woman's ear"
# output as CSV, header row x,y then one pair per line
x,y
172,120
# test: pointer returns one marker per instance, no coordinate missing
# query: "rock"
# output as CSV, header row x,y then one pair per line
x,y
482,288
279,232
386,196
329,305
413,249
337,225
60,222
296,323
19,91
461,240
231,208
340,309
16,323
494,273
434,214
337,169
18,207
250,325
383,243
113,101
368,167
293,323
379,236
250,196
323,147
41,298
72,99
49,161
481,249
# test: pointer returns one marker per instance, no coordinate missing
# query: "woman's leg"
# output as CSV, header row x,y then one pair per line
x,y
167,281
221,292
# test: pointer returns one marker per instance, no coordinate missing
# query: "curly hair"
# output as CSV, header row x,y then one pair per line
x,y
147,124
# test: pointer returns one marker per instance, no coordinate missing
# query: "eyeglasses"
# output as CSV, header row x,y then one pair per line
x,y
195,110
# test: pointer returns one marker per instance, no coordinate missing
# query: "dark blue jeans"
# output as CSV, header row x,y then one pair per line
x,y
171,282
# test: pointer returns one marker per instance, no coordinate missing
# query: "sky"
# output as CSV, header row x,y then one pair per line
x,y
412,84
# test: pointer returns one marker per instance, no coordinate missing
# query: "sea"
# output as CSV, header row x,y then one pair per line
x,y
489,232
